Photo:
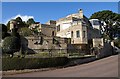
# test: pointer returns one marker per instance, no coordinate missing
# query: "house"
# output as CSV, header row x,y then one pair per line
x,y
73,32
46,39
78,28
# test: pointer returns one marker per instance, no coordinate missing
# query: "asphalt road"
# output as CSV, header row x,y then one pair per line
x,y
107,67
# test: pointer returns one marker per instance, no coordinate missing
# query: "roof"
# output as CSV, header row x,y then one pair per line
x,y
37,22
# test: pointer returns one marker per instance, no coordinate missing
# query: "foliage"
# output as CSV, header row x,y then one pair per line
x,y
117,42
25,31
5,34
11,45
30,21
19,24
4,27
15,33
105,15
18,19
4,31
112,21
24,46
8,25
32,63
25,24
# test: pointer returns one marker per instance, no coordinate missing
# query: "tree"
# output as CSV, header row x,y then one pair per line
x,y
30,21
11,45
24,46
4,27
25,24
25,31
18,19
4,34
8,25
105,15
112,21
20,23
15,33
4,31
117,42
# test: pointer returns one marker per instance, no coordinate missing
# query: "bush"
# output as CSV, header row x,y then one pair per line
x,y
32,63
25,31
4,27
11,45
117,42
4,31
5,34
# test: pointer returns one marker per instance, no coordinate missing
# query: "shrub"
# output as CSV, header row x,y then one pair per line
x,y
5,34
4,31
4,27
117,42
25,31
11,45
32,63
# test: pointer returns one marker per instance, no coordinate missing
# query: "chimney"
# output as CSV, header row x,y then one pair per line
x,y
80,13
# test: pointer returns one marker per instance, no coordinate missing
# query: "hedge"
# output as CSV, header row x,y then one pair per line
x,y
32,63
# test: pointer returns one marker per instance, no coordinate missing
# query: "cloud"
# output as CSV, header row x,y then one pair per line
x,y
23,17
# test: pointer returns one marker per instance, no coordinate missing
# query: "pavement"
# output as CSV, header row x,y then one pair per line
x,y
106,67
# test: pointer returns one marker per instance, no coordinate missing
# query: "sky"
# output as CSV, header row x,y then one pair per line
x,y
45,11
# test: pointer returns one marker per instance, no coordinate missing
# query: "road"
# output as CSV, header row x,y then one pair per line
x,y
107,67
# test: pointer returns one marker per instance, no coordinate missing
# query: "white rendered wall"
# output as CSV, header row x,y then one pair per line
x,y
64,24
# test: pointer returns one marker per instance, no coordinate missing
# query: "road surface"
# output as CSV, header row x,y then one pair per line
x,y
107,67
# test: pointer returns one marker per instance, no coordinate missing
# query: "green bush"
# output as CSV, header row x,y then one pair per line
x,y
4,28
4,31
10,45
25,31
5,34
117,42
32,63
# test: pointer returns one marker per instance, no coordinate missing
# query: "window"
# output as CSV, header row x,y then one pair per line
x,y
53,33
41,40
71,33
96,22
83,34
58,28
75,22
53,41
78,34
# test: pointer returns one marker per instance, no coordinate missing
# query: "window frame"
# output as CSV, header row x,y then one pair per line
x,y
78,34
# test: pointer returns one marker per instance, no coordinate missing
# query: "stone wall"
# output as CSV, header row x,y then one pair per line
x,y
48,30
48,44
106,50
97,42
